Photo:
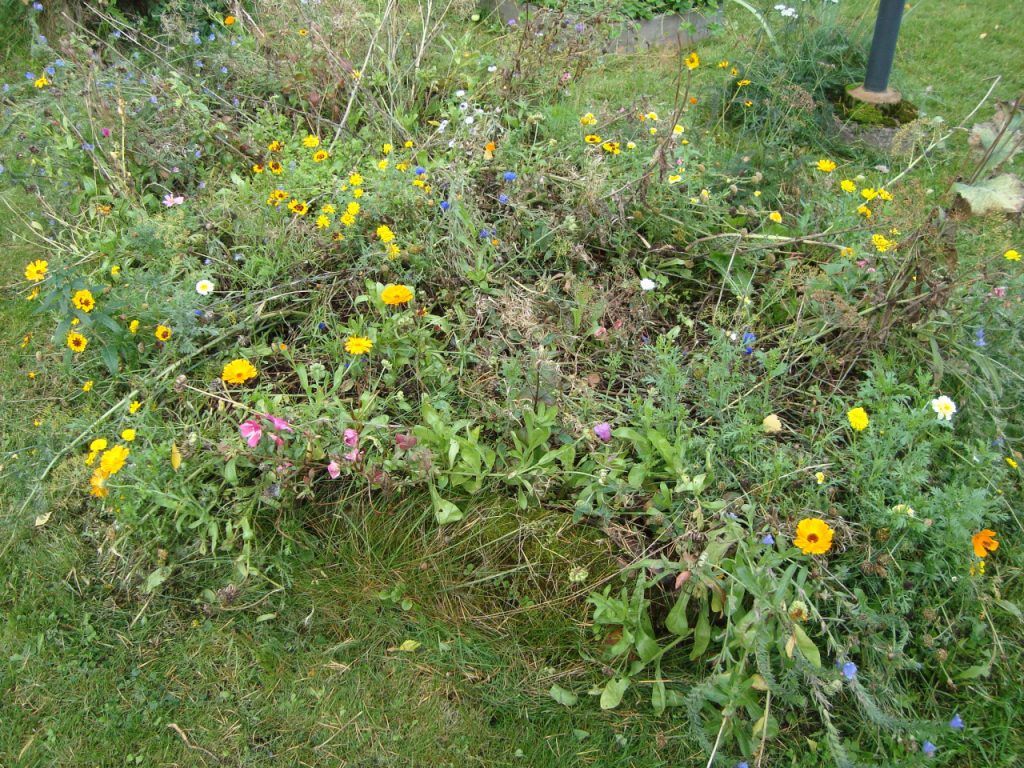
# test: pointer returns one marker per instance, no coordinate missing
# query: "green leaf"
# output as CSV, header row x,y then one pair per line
x,y
444,511
564,697
806,646
157,577
613,692
701,636
1003,193
978,670
676,621
658,692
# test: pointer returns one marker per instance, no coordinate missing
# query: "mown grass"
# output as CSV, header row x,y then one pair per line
x,y
313,675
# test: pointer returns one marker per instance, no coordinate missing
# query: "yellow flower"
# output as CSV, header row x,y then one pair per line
x,y
41,82
675,178
128,435
1011,463
723,64
87,387
347,219
394,251
352,208
33,294
848,186
98,485
298,207
238,371
748,103
592,138
257,168
1010,255
393,295
328,208
382,164
652,131
858,418
320,155
385,234
77,342
984,542
775,216
742,83
83,300
358,345
692,61
133,326
162,333
884,194
386,149
882,243
229,20
813,536
36,270
311,141
302,32
826,166
134,407
322,222
357,193
275,167
864,211
275,146
112,460
355,179
612,147
115,271
869,193
771,424
677,129
588,119
819,478
97,445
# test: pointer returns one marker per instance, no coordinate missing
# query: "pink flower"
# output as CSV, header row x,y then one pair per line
x,y
999,292
251,432
106,133
405,442
279,424
276,438
603,431
170,200
354,455
334,470
351,438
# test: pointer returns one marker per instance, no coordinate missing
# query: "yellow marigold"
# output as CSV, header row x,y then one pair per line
x,y
612,147
77,342
825,165
393,295
322,222
1010,255
238,372
133,326
358,345
112,460
592,138
813,536
355,179
692,61
134,407
352,208
847,185
98,485
36,270
588,119
743,83
320,155
298,207
984,542
83,300
275,167
775,216
162,333
128,435
1011,463
257,168
858,418
311,141
385,234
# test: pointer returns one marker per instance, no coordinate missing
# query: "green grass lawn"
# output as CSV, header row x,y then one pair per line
x,y
323,673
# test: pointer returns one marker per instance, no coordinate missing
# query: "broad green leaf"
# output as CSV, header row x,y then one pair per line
x,y
444,511
563,696
806,646
1003,193
676,621
408,646
701,636
613,692
157,577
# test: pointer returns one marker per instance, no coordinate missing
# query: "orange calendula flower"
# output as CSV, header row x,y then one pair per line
x,y
77,342
984,542
98,485
162,333
238,372
813,536
229,20
113,460
358,345
393,295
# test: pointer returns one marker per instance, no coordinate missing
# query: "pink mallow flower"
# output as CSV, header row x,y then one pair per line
x,y
251,432
603,431
405,442
170,200
351,438
276,438
279,424
334,470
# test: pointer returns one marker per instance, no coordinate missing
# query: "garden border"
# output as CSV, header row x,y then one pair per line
x,y
666,29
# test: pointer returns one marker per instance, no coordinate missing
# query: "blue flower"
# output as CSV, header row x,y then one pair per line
x,y
445,205
748,341
51,71
153,99
979,337
30,75
223,70
744,764
117,33
509,176
929,749
207,261
235,101
322,326
2,168
503,199
768,540
199,63
956,723
42,40
59,62
195,38
484,234
420,170
849,670
37,6
198,312
88,147
212,37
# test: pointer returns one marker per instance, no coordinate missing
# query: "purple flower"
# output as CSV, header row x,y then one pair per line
x,y
979,337
503,199
603,431
512,22
509,176
956,723
768,540
353,456
580,26
153,99
251,432
105,133
334,470
484,234
351,438
88,147
279,424
445,205
929,749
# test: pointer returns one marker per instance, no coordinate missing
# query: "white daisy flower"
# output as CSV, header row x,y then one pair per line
x,y
647,284
204,287
944,407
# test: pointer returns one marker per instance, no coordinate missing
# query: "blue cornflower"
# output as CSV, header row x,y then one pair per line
x,y
979,337
88,147
198,153
199,63
849,670
30,75
748,341
445,205
51,71
43,40
420,170
117,33
322,326
212,37
37,6
198,312
743,764
59,62
509,176
223,70
929,749
503,199
957,724
143,81
484,234
153,99
768,540
196,40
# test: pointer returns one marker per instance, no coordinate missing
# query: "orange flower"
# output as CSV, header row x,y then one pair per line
x,y
813,536
984,542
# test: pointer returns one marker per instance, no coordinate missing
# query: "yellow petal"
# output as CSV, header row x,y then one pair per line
x,y
175,457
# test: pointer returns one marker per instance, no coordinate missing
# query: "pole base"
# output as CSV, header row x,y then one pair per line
x,y
888,96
